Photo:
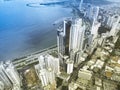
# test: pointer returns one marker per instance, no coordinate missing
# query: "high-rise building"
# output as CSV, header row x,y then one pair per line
x,y
81,3
13,75
94,29
53,63
43,77
60,41
51,76
2,87
72,55
96,13
112,20
77,38
77,57
41,61
3,77
77,35
88,11
56,66
69,66
47,76
10,76
50,68
114,28
63,38
92,13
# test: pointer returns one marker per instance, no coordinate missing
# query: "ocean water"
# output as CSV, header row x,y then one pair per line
x,y
24,29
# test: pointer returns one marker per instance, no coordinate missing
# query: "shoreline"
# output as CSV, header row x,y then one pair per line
x,y
36,53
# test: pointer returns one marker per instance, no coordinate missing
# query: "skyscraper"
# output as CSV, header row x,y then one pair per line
x,y
110,21
96,13
89,12
80,6
51,76
114,30
2,87
9,75
3,77
77,35
77,38
13,75
92,13
53,63
94,29
47,77
63,32
41,62
43,77
69,67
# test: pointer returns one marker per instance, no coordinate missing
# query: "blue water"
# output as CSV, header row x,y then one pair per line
x,y
24,29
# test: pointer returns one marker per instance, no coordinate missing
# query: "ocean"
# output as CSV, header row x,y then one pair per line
x,y
26,26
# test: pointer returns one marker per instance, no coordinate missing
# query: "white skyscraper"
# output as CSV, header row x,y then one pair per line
x,y
94,29
77,35
77,38
41,61
69,67
80,6
47,76
112,19
43,77
96,13
50,70
13,75
53,63
114,30
89,12
3,77
51,76
9,75
56,66
2,87
92,13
